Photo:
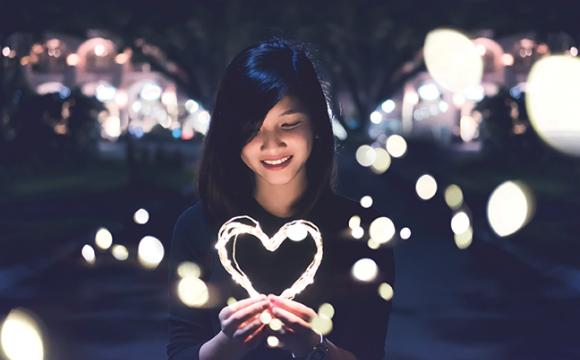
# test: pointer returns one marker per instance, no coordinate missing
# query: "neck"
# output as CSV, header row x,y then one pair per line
x,y
279,199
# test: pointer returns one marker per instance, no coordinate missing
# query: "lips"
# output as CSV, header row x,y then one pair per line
x,y
277,164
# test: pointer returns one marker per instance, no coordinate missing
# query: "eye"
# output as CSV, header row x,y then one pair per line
x,y
290,125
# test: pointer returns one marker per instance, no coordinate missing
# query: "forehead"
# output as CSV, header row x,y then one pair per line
x,y
288,105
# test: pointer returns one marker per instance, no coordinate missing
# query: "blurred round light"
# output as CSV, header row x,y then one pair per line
x,y
386,291
100,50
453,196
365,155
193,292
273,341
120,252
388,106
464,239
275,324
121,99
460,223
373,244
88,253
189,269
265,317
141,216
191,106
452,59
103,238
382,229
112,127
429,92
552,94
354,222
150,252
204,117
468,128
21,337
405,233
326,310
474,93
121,58
382,161
507,59
297,232
321,325
105,93
136,106
376,117
365,270
72,59
411,97
443,106
231,301
509,208
396,146
169,98
426,187
458,100
366,201
150,92
358,232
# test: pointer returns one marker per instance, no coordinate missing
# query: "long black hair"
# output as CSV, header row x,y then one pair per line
x,y
255,81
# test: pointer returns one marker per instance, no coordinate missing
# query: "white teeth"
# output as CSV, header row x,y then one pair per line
x,y
277,162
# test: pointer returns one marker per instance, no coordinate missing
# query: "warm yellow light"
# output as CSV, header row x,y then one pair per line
x,y
365,155
188,269
468,128
120,252
382,161
103,238
25,60
405,233
321,325
453,196
150,252
464,239
297,232
382,229
141,216
509,208
396,146
275,324
21,337
231,301
193,292
373,244
265,317
354,222
358,232
552,94
112,126
366,201
326,310
452,59
273,341
386,291
507,59
426,187
121,58
365,270
88,254
72,59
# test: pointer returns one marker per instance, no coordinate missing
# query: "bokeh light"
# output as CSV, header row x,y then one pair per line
x,y
322,325
191,106
464,239
429,92
510,207
452,59
460,222
193,292
388,106
275,324
386,291
103,238
382,161
189,269
231,301
373,244
358,232
453,196
552,94
376,117
120,252
297,232
150,92
141,216
354,222
72,59
273,341
426,187
150,252
366,201
265,317
88,253
396,146
405,233
382,229
365,155
21,337
326,310
365,270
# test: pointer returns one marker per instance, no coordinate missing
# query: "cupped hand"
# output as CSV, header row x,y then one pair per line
x,y
296,334
240,322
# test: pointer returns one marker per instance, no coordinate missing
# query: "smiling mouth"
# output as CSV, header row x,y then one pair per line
x,y
277,162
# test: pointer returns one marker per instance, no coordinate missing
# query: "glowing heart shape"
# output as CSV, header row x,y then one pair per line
x,y
232,228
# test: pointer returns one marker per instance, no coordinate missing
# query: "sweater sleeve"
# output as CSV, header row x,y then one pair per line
x,y
189,328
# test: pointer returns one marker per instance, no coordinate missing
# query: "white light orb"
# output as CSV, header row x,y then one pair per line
x,y
405,233
509,208
443,106
105,93
354,222
460,223
464,239
191,105
373,244
297,232
365,155
386,291
189,269
382,229
120,252
382,161
88,254
396,146
366,201
388,106
358,232
273,341
103,238
453,196
426,187
552,94
474,93
275,324
150,252
326,310
429,92
193,292
150,92
265,317
21,337
365,270
376,117
321,325
141,216
452,59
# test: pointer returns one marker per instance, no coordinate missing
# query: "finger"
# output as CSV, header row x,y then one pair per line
x,y
256,338
230,309
290,320
303,311
239,317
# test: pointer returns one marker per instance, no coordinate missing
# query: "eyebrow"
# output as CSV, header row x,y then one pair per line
x,y
292,111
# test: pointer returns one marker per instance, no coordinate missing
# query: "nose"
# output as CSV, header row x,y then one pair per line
x,y
271,140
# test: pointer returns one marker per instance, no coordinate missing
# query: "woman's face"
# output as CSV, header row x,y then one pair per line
x,y
279,151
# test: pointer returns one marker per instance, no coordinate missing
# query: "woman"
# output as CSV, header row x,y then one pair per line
x,y
269,154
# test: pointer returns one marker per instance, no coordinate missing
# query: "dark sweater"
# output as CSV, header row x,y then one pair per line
x,y
361,315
